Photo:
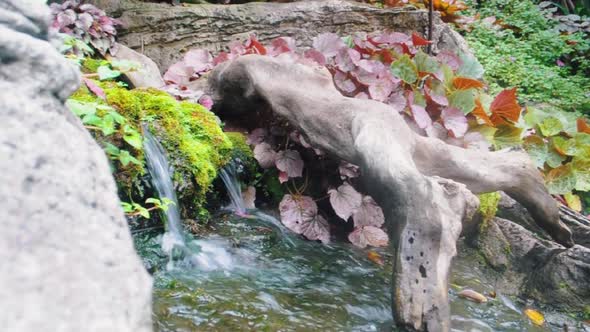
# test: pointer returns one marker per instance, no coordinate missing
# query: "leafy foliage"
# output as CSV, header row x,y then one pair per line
x,y
443,96
520,47
135,209
87,23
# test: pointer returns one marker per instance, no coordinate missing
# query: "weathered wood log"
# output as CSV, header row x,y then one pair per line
x,y
164,32
400,168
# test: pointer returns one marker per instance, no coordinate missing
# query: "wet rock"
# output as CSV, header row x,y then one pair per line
x,y
148,74
164,32
68,262
534,267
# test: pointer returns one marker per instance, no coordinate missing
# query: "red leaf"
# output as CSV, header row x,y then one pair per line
x,y
583,126
419,41
254,46
265,155
94,88
464,83
480,113
505,108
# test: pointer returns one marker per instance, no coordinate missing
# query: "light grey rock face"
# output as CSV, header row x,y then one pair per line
x,y
68,262
410,176
148,74
164,32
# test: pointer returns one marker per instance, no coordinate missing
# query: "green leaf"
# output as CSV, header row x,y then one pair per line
x,y
561,180
106,73
125,158
81,108
107,125
471,67
141,210
134,139
405,69
127,207
111,149
425,63
117,117
537,150
554,158
550,126
581,168
463,100
154,201
507,136
92,119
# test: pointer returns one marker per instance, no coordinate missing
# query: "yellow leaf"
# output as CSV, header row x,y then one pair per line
x,y
535,316
375,258
573,201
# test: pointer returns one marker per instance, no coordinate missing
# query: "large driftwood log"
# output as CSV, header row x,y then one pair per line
x,y
401,169
164,32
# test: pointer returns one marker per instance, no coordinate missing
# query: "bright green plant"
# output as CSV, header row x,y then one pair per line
x,y
135,209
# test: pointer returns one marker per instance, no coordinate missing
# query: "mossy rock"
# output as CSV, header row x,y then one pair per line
x,y
191,135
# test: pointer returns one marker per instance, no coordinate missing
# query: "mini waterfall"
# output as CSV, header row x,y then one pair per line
x,y
229,175
162,181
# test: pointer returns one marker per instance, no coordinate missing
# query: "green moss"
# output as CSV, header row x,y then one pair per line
x,y
189,132
241,148
488,206
90,65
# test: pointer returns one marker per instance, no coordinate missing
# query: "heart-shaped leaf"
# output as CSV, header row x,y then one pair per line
x,y
265,155
290,162
368,214
345,200
368,236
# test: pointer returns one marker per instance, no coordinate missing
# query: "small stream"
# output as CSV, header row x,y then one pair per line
x,y
251,274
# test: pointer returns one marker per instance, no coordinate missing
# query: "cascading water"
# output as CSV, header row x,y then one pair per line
x,y
203,254
160,172
229,176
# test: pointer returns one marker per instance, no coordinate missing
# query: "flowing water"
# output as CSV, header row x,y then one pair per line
x,y
252,275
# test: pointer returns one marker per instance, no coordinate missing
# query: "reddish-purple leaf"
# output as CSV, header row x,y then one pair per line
x,y
316,229
368,214
344,84
265,155
455,121
178,73
94,88
437,131
316,56
398,101
368,236
206,101
296,210
421,117
282,45
345,200
198,60
437,99
283,177
381,89
257,136
328,44
450,59
347,59
290,162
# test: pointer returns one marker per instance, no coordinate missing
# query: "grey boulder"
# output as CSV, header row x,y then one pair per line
x,y
68,262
